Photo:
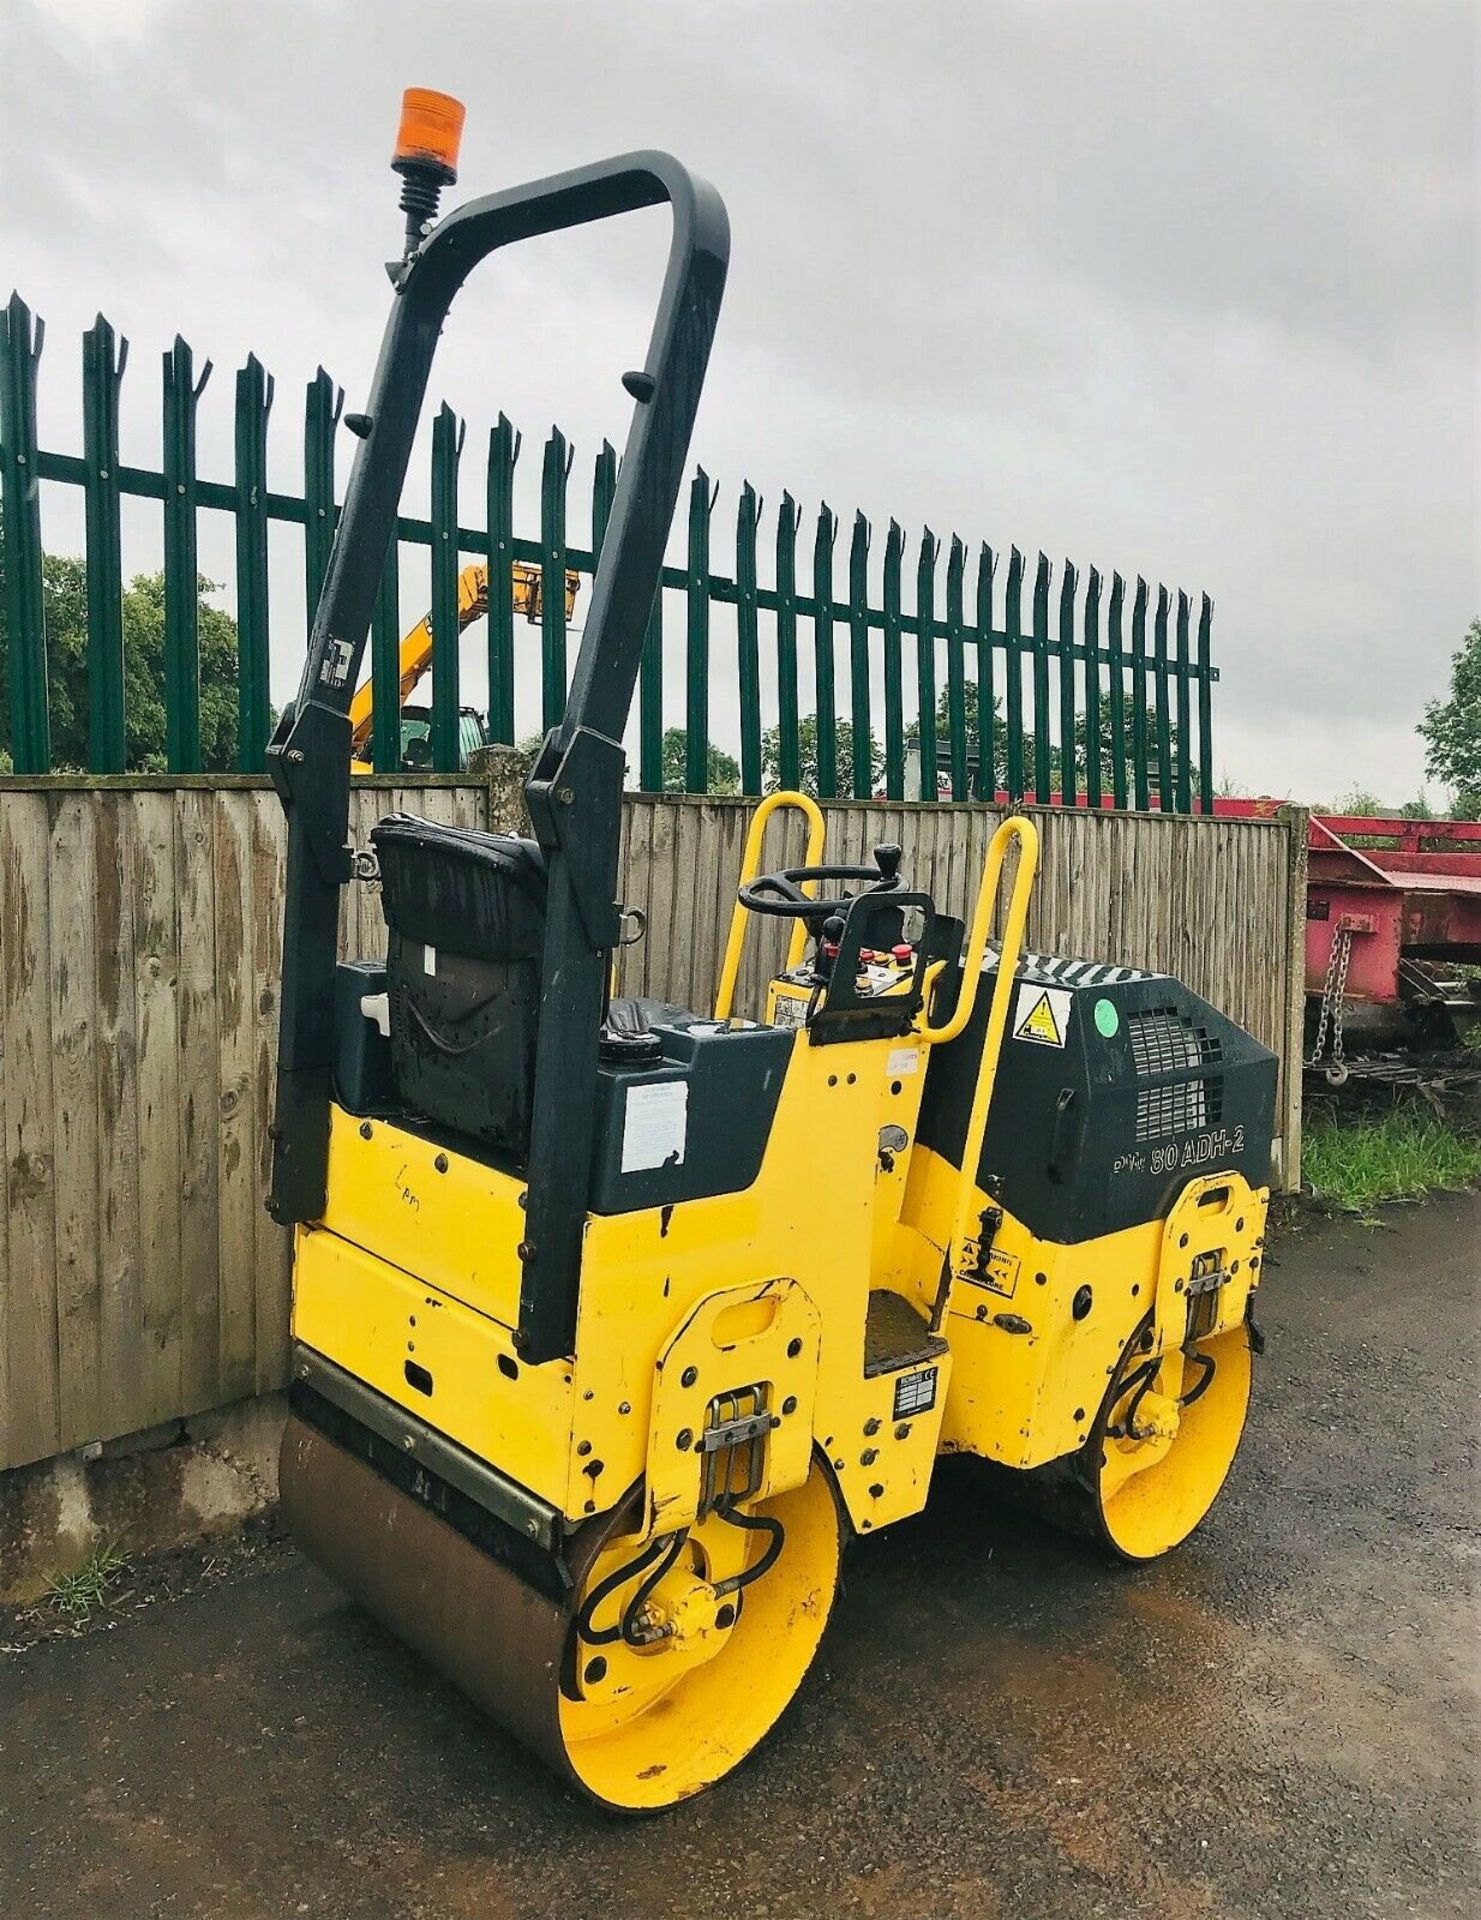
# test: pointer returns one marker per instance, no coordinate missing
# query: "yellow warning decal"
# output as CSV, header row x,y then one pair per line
x,y
1042,1015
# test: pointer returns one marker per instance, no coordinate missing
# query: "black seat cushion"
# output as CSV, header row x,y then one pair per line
x,y
465,914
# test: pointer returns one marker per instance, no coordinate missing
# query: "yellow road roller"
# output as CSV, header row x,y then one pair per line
x,y
614,1320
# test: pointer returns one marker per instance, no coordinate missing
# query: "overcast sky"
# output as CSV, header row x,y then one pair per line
x,y
1185,287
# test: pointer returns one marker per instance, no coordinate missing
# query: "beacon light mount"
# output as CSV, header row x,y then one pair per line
x,y
426,157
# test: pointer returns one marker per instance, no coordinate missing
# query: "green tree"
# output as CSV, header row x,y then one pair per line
x,y
722,772
1026,739
1360,802
807,757
1451,729
64,602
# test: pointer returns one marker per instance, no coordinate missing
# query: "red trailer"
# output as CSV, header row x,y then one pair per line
x,y
1391,923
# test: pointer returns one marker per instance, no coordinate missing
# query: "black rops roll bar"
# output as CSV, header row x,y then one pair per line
x,y
575,788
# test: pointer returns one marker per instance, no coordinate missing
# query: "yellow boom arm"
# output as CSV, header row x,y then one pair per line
x,y
416,647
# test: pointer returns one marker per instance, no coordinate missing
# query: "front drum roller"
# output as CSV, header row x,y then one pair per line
x,y
1158,1452
664,1667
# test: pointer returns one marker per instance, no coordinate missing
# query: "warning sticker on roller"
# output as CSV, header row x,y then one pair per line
x,y
655,1126
1042,1015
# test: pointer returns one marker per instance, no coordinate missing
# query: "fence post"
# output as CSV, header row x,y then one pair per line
x,y
323,404
697,636
25,601
1068,705
1184,775
553,476
503,771
1092,691
956,668
925,663
861,722
986,784
788,768
603,492
894,673
254,399
825,695
447,451
748,640
1014,704
182,574
385,666
1298,823
104,358
504,446
1139,696
1043,762
1164,729
1118,692
650,701
1205,708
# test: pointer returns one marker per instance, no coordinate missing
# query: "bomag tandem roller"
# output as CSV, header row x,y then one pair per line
x,y
612,1321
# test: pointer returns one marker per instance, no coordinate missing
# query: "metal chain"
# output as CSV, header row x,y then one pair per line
x,y
1334,995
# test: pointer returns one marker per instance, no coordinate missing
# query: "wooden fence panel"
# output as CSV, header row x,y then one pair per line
x,y
140,924
156,994
140,928
30,1418
73,851
121,1320
269,1252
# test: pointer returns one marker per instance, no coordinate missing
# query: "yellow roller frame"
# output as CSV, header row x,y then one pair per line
x,y
750,867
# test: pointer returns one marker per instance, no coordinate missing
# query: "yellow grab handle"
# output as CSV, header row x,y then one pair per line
x,y
1025,833
1027,836
750,867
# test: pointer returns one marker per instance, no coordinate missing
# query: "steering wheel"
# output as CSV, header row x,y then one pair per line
x,y
780,894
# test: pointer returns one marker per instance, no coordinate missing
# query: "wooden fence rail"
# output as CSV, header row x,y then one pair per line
x,y
140,1278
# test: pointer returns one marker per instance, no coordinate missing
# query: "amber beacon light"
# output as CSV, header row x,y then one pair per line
x,y
426,155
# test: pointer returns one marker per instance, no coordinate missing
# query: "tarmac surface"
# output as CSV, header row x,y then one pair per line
x,y
1281,1719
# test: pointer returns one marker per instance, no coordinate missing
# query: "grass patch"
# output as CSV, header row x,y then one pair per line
x,y
81,1593
1356,1162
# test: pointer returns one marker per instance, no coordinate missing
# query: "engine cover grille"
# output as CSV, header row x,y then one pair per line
x,y
1163,1040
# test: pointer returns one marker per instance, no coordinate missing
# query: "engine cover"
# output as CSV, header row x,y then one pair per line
x,y
1115,1087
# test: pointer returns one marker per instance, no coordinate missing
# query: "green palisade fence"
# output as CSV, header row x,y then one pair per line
x,y
1051,700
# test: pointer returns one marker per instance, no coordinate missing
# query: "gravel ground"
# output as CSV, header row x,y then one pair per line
x,y
1279,1720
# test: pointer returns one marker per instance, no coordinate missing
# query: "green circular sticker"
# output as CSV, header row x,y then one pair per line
x,y
1107,1020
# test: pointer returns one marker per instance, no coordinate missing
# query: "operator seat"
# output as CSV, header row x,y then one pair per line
x,y
465,915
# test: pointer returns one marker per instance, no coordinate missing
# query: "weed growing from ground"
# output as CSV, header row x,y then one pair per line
x,y
82,1592
1356,1162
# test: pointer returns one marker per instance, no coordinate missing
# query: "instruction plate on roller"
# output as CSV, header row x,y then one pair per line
x,y
655,1126
915,1393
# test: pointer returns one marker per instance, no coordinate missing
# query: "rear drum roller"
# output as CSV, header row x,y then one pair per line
x,y
1158,1452
652,1680
1165,1441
